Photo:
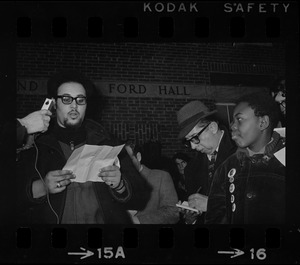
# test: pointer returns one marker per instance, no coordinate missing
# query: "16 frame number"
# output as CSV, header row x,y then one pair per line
x,y
260,253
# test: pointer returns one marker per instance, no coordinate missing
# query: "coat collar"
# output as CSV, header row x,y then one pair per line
x,y
272,147
95,134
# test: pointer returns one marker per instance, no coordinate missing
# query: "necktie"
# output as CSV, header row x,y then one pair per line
x,y
211,164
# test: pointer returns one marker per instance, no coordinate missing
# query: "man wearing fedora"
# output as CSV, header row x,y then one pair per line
x,y
200,130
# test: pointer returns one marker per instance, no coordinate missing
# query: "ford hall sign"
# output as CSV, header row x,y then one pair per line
x,y
141,89
163,90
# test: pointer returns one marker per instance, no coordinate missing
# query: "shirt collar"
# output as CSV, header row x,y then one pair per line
x,y
217,149
261,151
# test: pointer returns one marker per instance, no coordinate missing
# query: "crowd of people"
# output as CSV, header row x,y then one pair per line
x,y
236,176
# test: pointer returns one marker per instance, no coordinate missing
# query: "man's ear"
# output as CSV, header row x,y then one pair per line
x,y
264,122
213,127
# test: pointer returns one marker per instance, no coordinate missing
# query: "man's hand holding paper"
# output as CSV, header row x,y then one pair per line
x,y
198,201
57,180
111,175
95,163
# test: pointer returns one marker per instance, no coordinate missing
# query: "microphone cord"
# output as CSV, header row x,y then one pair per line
x,y
43,181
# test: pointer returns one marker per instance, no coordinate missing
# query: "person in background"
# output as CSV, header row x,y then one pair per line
x,y
161,208
46,194
249,187
201,131
181,160
278,92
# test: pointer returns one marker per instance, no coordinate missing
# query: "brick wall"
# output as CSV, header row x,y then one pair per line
x,y
143,119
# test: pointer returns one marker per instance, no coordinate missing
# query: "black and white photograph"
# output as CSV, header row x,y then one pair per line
x,y
150,132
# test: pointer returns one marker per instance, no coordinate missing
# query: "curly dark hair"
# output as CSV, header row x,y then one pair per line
x,y
277,86
263,104
69,75
66,76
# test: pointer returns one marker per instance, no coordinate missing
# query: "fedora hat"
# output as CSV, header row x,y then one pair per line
x,y
190,114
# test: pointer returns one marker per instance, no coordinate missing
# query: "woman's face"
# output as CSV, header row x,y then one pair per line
x,y
181,164
280,96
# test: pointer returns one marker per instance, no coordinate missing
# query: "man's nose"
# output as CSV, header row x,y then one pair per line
x,y
193,146
233,126
74,104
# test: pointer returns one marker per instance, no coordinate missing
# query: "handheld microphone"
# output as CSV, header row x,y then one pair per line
x,y
48,104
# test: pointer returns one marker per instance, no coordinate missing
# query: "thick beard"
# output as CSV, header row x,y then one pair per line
x,y
72,126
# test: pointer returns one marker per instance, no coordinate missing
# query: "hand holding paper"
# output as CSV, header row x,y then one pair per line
x,y
57,180
87,161
189,214
198,201
111,175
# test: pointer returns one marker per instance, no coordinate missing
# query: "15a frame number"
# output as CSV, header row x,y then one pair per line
x,y
108,253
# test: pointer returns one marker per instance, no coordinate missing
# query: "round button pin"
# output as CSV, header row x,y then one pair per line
x,y
232,198
233,207
231,188
231,172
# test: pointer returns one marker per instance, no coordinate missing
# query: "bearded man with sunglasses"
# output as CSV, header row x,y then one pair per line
x,y
46,194
200,131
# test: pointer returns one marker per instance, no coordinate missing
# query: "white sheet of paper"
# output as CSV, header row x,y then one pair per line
x,y
202,202
87,160
280,155
186,207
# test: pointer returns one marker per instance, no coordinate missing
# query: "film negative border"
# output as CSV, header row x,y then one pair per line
x,y
155,21
166,28
155,244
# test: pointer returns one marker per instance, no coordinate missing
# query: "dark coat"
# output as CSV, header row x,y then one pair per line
x,y
196,171
50,157
249,190
21,133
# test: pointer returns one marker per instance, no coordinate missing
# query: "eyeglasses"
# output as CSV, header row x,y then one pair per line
x,y
195,139
67,100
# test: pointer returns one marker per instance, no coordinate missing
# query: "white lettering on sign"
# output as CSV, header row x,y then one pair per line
x,y
256,7
170,7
